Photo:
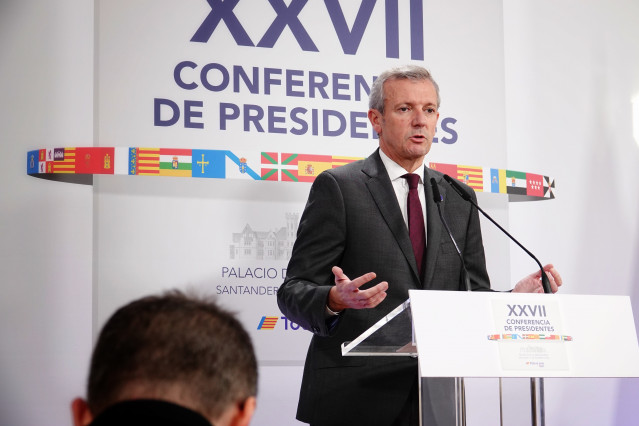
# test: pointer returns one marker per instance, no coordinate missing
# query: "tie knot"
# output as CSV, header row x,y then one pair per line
x,y
412,179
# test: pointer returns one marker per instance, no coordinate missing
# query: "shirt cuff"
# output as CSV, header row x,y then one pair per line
x,y
331,313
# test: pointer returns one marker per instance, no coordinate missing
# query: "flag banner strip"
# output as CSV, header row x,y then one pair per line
x,y
523,336
522,185
271,166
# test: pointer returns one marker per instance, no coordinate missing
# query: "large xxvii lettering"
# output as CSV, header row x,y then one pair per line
x,y
288,17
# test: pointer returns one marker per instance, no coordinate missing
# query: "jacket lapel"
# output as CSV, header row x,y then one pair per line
x,y
383,194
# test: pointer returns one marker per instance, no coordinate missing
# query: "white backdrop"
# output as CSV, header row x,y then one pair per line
x,y
564,94
569,92
154,233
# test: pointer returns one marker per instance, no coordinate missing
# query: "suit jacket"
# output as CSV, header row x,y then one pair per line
x,y
352,220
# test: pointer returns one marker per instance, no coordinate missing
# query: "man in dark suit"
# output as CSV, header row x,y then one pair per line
x,y
356,224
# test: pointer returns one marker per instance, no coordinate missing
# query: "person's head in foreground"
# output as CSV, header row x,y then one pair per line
x,y
172,359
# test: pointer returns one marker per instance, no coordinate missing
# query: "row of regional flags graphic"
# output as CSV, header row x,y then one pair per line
x,y
268,166
298,167
499,181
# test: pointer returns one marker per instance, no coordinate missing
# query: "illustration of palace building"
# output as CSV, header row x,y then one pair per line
x,y
265,245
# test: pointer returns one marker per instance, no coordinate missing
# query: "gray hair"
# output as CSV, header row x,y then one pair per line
x,y
408,72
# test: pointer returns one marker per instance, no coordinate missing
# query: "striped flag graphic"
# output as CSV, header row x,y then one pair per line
x,y
497,181
148,161
310,166
515,182
175,162
267,323
341,161
471,176
63,161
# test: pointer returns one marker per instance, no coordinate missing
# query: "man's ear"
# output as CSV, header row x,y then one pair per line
x,y
80,411
375,117
244,412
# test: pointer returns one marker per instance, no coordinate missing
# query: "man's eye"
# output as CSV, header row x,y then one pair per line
x,y
404,109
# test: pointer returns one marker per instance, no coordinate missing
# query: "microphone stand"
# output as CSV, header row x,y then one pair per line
x,y
460,390
465,278
458,188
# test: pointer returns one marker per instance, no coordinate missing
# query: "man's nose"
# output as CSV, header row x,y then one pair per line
x,y
419,118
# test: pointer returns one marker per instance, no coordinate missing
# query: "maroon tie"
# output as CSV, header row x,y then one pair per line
x,y
415,220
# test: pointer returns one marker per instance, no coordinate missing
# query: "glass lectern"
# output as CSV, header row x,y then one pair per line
x,y
441,398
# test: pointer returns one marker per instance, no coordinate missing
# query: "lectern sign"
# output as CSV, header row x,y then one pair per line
x,y
491,334
532,336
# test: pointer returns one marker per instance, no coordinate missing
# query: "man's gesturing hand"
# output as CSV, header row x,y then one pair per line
x,y
532,282
346,293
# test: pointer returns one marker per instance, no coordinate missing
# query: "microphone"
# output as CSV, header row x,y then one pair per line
x,y
438,199
462,193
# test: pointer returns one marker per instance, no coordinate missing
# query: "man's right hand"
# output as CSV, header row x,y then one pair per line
x,y
346,293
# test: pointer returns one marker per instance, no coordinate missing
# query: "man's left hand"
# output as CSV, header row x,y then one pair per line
x,y
532,283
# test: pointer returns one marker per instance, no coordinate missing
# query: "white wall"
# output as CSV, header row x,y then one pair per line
x,y
572,68
46,84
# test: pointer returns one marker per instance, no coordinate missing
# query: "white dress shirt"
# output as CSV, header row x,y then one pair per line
x,y
400,185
